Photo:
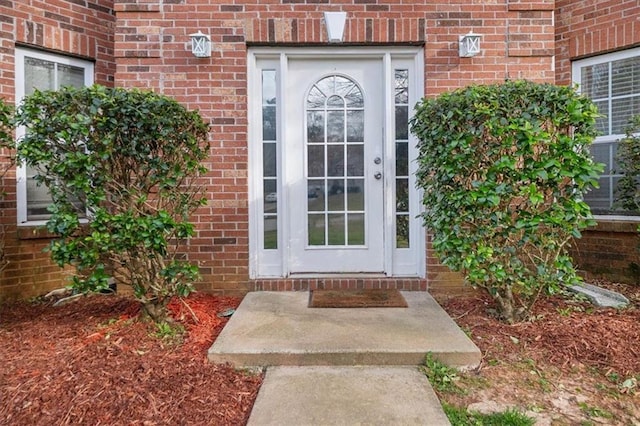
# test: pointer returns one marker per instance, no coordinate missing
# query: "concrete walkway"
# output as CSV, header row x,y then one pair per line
x,y
365,395
316,359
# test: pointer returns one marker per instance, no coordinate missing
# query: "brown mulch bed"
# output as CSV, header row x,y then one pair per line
x,y
571,364
95,361
562,332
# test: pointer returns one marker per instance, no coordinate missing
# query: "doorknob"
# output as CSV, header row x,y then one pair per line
x,y
378,175
377,160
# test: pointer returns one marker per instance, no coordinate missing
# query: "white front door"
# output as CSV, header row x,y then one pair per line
x,y
334,150
332,162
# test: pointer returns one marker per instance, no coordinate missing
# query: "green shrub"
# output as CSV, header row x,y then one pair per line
x,y
442,377
130,158
628,158
504,168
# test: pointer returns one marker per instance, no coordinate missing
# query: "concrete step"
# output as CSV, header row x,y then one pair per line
x,y
346,396
277,328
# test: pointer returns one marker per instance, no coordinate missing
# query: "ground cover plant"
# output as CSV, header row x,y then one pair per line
x,y
130,160
503,168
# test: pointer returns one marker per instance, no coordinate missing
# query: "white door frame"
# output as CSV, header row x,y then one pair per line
x,y
273,262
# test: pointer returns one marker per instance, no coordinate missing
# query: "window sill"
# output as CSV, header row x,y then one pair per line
x,y
38,232
616,224
34,232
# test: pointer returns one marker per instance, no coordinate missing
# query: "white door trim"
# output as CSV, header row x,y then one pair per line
x,y
272,263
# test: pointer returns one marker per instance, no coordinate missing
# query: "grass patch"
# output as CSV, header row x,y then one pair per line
x,y
442,377
460,417
169,332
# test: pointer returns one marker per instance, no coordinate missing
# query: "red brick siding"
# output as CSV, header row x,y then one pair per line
x,y
150,47
589,27
152,50
608,250
79,28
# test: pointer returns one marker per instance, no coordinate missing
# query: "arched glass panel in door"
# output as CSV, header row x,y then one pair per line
x,y
335,163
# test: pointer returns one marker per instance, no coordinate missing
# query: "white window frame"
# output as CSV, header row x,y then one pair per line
x,y
21,171
576,75
272,263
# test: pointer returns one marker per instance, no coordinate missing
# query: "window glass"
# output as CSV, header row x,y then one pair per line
x,y
269,159
401,83
335,163
612,81
45,72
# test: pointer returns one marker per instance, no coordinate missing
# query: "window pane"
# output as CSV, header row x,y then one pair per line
x,y
316,98
625,76
336,186
268,87
336,230
402,231
601,154
402,122
599,199
402,159
622,111
315,195
402,86
355,195
355,160
38,74
602,123
38,198
316,229
335,126
270,232
335,160
315,126
335,102
70,76
270,196
355,126
269,160
356,229
268,123
315,161
595,81
402,195
335,202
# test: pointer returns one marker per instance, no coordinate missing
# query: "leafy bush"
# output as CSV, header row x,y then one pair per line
x,y
628,156
441,376
504,168
130,158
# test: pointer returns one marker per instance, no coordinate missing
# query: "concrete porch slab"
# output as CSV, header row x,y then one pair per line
x,y
277,328
346,396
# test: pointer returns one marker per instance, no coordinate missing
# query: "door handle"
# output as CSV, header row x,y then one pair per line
x,y
378,175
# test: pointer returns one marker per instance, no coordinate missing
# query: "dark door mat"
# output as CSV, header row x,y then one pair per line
x,y
366,298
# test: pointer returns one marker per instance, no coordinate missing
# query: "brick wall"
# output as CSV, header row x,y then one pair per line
x,y
146,44
587,28
152,50
609,250
83,28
